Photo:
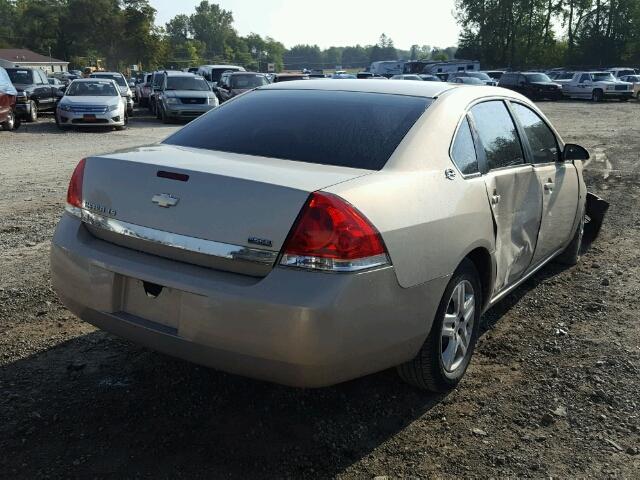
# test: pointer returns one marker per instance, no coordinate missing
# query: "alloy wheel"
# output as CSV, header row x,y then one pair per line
x,y
457,327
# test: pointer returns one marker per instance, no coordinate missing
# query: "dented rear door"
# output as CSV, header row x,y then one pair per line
x,y
513,190
515,198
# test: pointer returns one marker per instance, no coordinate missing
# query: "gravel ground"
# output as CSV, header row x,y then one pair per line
x,y
552,390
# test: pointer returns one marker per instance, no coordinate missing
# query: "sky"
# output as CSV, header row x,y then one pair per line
x,y
334,22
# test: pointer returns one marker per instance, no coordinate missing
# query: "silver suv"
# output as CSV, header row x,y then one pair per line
x,y
184,96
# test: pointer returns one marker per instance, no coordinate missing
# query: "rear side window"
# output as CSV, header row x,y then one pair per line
x,y
498,135
348,129
541,138
463,152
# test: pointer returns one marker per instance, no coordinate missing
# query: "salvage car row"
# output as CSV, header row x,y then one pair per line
x,y
184,95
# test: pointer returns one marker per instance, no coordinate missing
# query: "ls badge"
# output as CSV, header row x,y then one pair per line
x,y
165,200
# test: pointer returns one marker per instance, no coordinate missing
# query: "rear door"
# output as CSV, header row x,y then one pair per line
x,y
558,180
513,190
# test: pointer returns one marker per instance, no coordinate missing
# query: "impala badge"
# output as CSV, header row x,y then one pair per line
x,y
165,200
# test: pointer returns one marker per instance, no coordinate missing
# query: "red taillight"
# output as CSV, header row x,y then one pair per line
x,y
331,234
74,192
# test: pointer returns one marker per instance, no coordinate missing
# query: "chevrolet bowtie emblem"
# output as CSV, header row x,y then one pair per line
x,y
165,200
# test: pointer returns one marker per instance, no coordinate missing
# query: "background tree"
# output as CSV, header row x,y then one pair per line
x,y
7,22
212,26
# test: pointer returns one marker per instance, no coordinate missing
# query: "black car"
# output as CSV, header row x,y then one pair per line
x,y
239,82
35,94
534,85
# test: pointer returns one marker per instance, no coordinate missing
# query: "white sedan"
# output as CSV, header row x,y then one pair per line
x,y
92,102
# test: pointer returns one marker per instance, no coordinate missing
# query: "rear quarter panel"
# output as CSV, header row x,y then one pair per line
x,y
428,222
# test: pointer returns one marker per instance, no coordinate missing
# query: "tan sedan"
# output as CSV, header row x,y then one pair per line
x,y
312,232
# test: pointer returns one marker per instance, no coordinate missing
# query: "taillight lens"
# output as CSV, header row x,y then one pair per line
x,y
331,234
74,192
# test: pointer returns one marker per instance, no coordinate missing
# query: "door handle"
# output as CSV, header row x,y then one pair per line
x,y
495,199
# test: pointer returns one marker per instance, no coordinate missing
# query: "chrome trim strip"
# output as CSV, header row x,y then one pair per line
x,y
503,293
175,240
333,265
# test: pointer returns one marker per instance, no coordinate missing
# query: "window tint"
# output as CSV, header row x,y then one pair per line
x,y
351,129
20,77
541,138
463,152
498,135
585,77
118,78
508,79
239,82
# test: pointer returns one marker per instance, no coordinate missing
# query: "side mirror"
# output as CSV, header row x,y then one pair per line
x,y
575,152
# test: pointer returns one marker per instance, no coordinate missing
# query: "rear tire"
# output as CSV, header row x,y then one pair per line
x,y
445,355
597,95
571,255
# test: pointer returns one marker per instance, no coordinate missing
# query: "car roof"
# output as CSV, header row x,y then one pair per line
x,y
179,74
220,66
415,89
107,73
94,79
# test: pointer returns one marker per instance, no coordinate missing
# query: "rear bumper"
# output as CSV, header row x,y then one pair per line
x,y
292,327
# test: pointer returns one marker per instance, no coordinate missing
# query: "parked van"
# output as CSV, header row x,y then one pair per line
x,y
212,73
446,67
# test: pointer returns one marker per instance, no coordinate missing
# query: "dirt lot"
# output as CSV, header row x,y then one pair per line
x,y
552,390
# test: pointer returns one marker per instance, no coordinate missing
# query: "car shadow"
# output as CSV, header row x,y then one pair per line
x,y
97,405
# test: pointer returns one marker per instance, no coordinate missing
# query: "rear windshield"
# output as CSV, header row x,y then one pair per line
x,y
349,129
118,78
247,81
537,77
23,77
216,73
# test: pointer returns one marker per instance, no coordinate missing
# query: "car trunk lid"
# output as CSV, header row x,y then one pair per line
x,y
220,210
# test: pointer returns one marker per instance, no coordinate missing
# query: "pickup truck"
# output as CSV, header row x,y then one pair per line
x,y
597,86
35,94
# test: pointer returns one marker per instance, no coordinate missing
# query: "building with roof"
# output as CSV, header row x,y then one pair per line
x,y
21,57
